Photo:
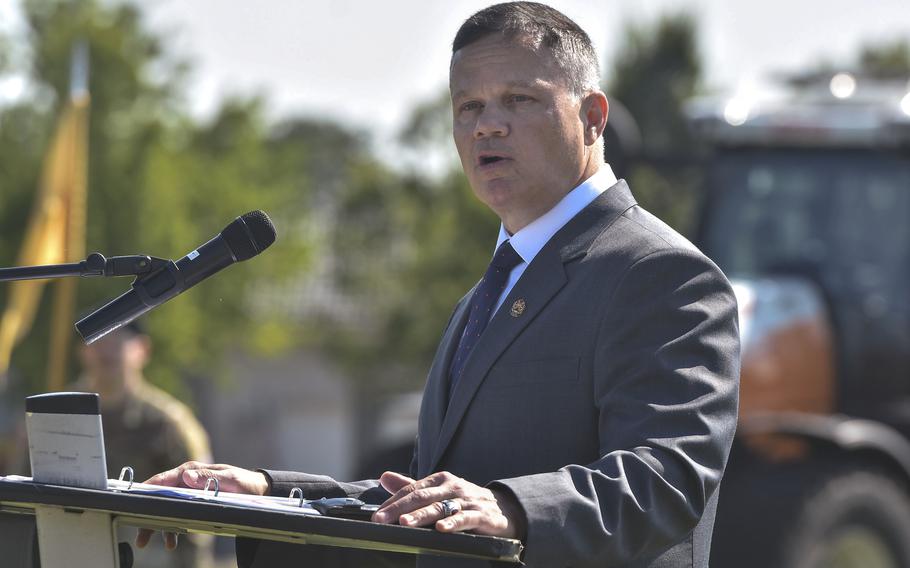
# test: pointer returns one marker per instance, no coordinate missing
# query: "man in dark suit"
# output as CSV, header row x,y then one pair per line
x,y
583,397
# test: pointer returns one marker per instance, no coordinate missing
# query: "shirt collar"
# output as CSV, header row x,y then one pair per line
x,y
530,239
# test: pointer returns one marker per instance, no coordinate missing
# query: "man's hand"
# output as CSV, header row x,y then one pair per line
x,y
419,503
194,475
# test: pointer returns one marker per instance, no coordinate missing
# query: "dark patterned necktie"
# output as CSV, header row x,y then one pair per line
x,y
482,303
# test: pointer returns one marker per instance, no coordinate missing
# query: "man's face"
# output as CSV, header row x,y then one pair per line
x,y
110,360
518,128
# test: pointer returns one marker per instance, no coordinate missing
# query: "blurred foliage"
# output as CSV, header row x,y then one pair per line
x,y
412,248
159,183
413,243
886,59
880,59
369,261
430,124
394,249
399,248
657,69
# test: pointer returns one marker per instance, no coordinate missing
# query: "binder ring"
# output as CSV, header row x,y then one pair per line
x,y
128,473
208,482
296,492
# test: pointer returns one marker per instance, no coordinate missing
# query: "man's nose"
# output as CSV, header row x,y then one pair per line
x,y
491,122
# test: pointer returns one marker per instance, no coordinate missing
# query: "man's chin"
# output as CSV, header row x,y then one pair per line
x,y
495,192
497,202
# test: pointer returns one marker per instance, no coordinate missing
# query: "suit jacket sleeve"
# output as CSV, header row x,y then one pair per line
x,y
666,366
318,486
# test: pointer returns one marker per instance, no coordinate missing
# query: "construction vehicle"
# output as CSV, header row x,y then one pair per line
x,y
807,210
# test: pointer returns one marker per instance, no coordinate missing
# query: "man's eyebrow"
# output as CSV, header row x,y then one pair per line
x,y
510,85
524,84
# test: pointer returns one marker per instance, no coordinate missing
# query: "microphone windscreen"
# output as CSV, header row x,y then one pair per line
x,y
249,234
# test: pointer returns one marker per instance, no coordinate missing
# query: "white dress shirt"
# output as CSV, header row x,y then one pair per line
x,y
529,240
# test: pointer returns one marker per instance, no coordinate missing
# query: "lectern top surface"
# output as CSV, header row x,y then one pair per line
x,y
232,519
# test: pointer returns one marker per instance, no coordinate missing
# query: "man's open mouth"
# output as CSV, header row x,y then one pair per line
x,y
489,159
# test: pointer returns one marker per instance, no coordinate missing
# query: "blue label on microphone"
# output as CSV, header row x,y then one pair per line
x,y
193,255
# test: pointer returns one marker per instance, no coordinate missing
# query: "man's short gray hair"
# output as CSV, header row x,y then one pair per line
x,y
540,26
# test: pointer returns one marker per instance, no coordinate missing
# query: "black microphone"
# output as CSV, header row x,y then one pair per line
x,y
247,236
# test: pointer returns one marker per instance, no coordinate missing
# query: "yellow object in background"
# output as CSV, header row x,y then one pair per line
x,y
55,234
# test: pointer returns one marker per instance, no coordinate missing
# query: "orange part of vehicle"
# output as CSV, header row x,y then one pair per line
x,y
788,360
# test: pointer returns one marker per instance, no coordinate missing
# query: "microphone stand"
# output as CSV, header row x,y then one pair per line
x,y
143,267
94,265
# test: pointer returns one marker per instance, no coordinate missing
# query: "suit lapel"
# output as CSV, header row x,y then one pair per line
x,y
541,281
547,276
433,406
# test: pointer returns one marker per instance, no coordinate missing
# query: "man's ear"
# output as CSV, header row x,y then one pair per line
x,y
594,111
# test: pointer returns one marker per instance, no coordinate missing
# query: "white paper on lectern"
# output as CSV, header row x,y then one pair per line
x,y
67,449
283,504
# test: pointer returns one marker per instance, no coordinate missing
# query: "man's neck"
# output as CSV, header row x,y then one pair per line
x,y
517,223
530,239
115,392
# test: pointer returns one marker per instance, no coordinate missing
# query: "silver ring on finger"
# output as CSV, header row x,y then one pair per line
x,y
449,507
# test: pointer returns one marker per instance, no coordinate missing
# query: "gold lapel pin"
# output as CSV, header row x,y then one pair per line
x,y
518,307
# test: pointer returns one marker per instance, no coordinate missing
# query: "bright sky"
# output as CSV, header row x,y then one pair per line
x,y
366,63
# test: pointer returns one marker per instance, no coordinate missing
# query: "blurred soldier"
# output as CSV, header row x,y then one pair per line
x,y
144,427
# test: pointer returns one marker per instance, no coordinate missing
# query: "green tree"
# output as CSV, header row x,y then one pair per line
x,y
655,72
158,183
886,59
414,246
879,59
409,244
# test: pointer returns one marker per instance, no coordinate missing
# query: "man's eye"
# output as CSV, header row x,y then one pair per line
x,y
519,98
470,106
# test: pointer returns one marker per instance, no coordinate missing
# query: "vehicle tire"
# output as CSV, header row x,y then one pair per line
x,y
852,519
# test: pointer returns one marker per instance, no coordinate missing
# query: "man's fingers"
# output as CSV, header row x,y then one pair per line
x,y
481,522
170,478
426,515
393,482
415,495
434,480
231,479
142,537
397,484
145,535
398,495
461,521
190,474
420,503
411,503
197,478
170,540
174,477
